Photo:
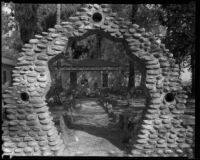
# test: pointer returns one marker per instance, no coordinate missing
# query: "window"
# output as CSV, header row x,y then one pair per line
x,y
73,79
105,80
4,77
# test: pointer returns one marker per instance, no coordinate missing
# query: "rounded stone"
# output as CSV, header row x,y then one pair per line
x,y
172,136
143,135
13,128
46,127
7,150
160,151
184,145
153,136
32,143
165,116
33,134
152,111
45,121
142,141
154,106
172,141
21,116
189,141
18,150
5,138
161,141
168,151
164,145
40,63
152,142
33,41
36,100
43,115
153,72
54,35
21,145
43,143
31,79
42,57
173,145
40,69
152,62
166,121
27,139
149,146
13,123
53,143
28,150
42,109
150,116
9,144
31,117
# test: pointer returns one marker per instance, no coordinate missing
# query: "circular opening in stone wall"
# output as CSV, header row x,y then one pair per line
x,y
24,96
97,17
169,97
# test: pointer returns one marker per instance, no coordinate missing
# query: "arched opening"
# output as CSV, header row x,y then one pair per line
x,y
65,70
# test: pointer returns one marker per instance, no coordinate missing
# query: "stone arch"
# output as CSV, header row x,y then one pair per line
x,y
30,130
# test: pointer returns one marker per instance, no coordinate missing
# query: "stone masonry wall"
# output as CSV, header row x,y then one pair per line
x,y
30,130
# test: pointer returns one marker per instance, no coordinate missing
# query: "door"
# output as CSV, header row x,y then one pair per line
x,y
73,79
105,79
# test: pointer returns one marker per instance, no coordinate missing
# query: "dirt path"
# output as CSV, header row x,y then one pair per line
x,y
93,134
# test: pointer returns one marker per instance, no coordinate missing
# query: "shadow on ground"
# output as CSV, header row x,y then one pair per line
x,y
114,137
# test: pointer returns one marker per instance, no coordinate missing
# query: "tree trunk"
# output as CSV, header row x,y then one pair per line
x,y
193,73
58,14
134,11
131,83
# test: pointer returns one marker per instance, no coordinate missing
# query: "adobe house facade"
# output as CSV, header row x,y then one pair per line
x,y
8,63
99,73
30,129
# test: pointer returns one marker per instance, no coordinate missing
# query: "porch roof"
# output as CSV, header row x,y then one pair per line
x,y
88,63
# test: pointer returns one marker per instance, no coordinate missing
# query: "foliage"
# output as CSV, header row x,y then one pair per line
x,y
124,10
180,22
145,15
180,38
11,41
26,15
47,14
187,86
5,21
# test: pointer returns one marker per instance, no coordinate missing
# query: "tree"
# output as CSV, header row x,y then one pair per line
x,y
26,15
180,37
5,20
47,14
146,16
58,13
131,82
11,42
